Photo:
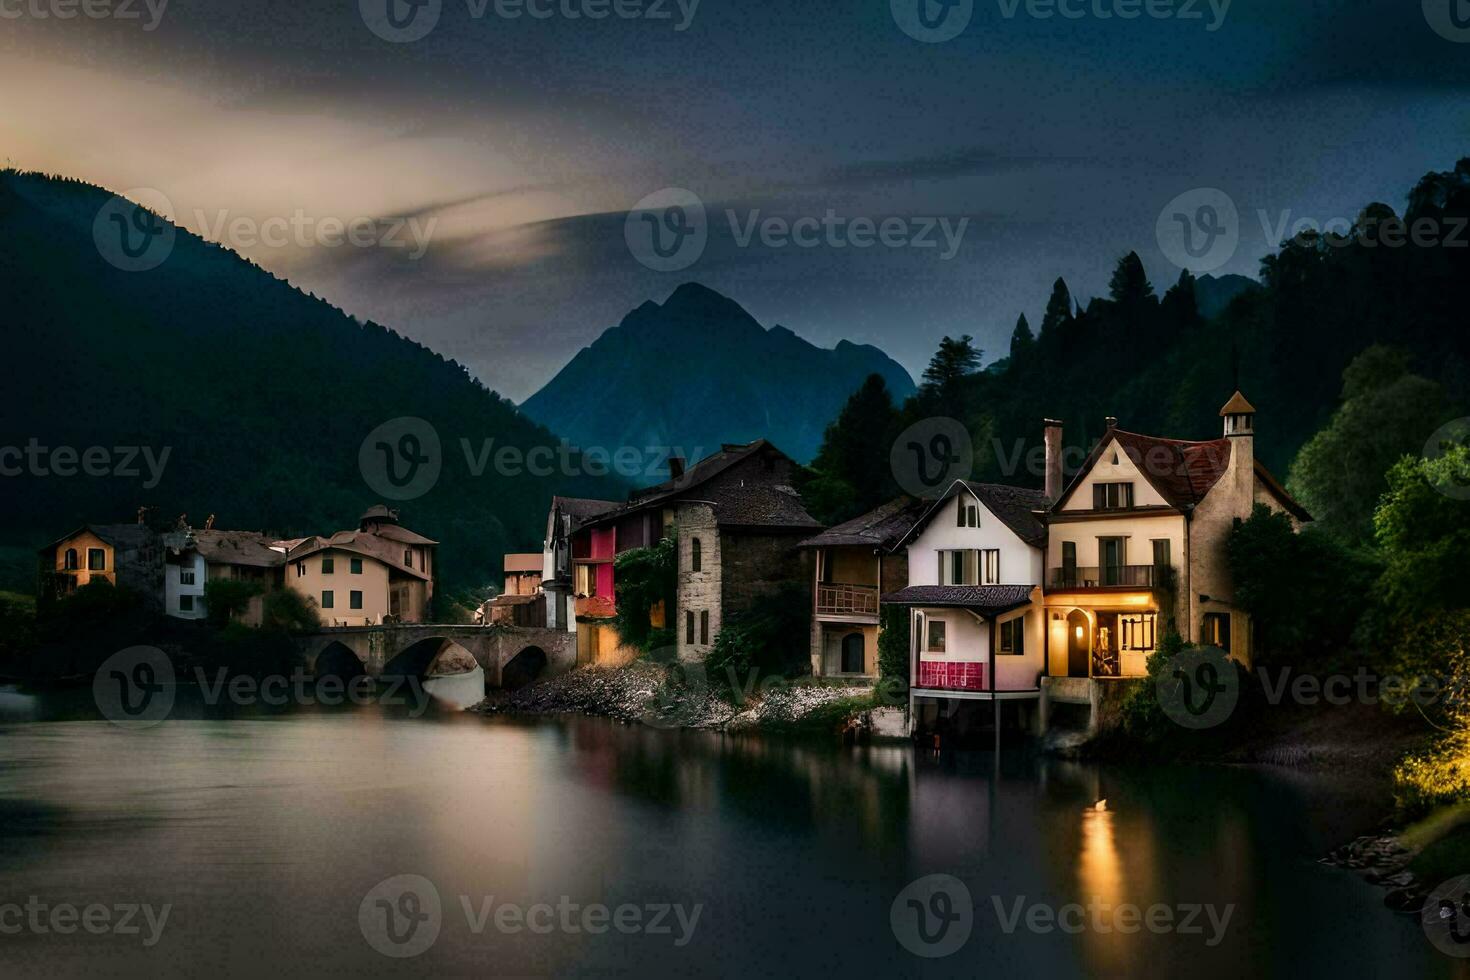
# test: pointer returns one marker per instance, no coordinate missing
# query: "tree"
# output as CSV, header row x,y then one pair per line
x,y
227,598
944,378
1058,308
1385,412
647,578
1422,527
893,647
1129,286
852,474
287,609
1023,342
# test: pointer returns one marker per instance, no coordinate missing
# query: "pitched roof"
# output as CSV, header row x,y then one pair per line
x,y
401,534
358,542
1180,470
991,599
132,535
1015,507
237,548
1237,405
748,504
581,508
882,527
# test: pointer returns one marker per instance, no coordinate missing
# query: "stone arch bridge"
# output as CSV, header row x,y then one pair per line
x,y
510,656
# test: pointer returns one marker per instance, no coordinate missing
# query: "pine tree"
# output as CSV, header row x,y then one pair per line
x,y
1130,286
1023,342
943,387
1058,308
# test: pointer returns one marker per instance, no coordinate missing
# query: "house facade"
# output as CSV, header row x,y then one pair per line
x,y
1137,543
193,558
853,565
128,556
380,573
975,562
566,516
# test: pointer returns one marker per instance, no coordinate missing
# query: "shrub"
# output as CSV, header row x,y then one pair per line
x,y
227,598
772,639
287,609
893,649
646,578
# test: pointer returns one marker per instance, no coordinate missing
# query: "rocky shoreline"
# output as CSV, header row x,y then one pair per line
x,y
654,695
1383,860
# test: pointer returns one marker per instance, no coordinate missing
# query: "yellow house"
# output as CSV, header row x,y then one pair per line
x,y
124,555
1137,541
382,572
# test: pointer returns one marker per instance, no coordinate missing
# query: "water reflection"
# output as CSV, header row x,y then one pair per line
x,y
266,831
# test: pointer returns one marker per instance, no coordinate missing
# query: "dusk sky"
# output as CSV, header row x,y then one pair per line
x,y
517,147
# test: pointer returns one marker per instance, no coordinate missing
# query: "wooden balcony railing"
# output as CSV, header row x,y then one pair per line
x,y
1103,577
847,600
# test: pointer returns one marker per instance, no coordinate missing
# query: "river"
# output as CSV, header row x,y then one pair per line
x,y
583,847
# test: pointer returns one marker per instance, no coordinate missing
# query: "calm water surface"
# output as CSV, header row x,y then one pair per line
x,y
265,832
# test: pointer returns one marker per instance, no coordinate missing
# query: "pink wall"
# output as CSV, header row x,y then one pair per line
x,y
605,581
604,545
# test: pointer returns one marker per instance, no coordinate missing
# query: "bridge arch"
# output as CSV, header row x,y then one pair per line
x,y
432,656
524,667
336,659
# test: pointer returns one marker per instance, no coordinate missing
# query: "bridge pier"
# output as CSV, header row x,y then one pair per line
x,y
508,655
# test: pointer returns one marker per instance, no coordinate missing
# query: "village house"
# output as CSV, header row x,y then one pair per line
x,y
128,556
1138,541
975,564
521,601
557,576
854,564
192,558
738,521
380,573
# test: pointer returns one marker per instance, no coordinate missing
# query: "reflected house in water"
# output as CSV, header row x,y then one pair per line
x,y
1138,539
975,562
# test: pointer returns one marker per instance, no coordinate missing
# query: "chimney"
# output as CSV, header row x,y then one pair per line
x,y
1240,428
676,467
1053,429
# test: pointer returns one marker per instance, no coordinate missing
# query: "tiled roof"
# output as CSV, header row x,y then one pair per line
x,y
882,527
1181,471
237,548
985,598
581,508
364,543
1012,506
401,534
758,505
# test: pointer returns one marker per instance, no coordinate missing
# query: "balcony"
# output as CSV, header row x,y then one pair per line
x,y
1103,577
834,599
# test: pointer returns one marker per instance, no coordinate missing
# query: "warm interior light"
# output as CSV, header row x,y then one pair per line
x,y
1078,630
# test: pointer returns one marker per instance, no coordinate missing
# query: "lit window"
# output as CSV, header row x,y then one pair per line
x,y
1214,630
96,560
990,567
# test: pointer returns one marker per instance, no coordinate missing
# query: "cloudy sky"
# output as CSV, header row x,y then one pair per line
x,y
490,161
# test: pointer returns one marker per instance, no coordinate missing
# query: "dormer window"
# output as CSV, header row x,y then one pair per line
x,y
967,513
1112,496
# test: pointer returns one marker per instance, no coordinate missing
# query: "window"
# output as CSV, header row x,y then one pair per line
x,y
704,626
354,599
186,576
967,512
70,562
990,567
300,569
1114,555
1069,560
186,603
329,565
327,599
959,567
934,640
586,580
96,560
1161,552
1013,637
696,560
1214,630
354,565
407,558
1112,496
689,626
1139,632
